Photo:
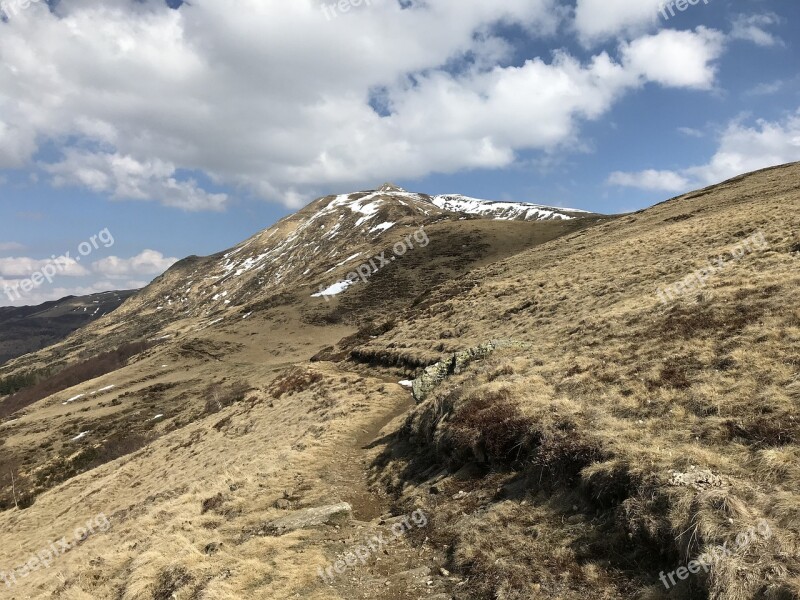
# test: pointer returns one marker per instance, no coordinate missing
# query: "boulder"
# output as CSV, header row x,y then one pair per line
x,y
333,514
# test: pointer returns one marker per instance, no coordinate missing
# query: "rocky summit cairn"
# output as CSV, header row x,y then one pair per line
x,y
390,187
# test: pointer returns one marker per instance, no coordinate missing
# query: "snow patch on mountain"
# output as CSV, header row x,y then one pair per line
x,y
381,227
504,211
334,290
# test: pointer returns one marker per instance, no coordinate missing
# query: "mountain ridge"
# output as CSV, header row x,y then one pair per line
x,y
28,328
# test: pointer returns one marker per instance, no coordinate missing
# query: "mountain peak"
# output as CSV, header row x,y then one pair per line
x,y
390,187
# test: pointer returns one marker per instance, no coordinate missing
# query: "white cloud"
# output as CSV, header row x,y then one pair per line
x,y
766,89
9,246
24,267
110,273
650,180
752,28
691,132
676,58
598,20
227,88
741,149
148,262
125,178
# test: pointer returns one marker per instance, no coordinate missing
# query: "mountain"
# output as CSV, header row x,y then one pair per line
x,y
26,329
599,407
312,250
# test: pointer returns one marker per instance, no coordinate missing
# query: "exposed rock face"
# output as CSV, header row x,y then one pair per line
x,y
434,375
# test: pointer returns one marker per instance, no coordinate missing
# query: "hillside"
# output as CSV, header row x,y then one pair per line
x,y
26,329
595,404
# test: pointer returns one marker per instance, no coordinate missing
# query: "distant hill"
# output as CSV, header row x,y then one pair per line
x,y
26,329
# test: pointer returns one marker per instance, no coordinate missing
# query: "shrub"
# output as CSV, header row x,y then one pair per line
x,y
493,429
219,396
115,446
14,383
296,380
500,372
170,580
764,431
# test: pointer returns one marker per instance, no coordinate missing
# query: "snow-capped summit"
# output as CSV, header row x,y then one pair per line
x,y
505,211
313,247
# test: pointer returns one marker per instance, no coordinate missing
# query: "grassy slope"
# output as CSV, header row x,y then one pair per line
x,y
569,451
173,378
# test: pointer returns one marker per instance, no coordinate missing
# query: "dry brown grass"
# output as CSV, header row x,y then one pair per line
x,y
618,394
180,508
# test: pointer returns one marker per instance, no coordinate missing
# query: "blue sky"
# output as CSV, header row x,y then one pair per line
x,y
184,130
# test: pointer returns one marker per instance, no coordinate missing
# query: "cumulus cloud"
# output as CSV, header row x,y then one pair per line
x,y
24,266
599,20
137,97
753,28
650,180
745,148
125,178
742,148
676,58
107,274
148,262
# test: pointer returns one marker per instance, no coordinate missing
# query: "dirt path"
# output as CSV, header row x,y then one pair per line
x,y
396,566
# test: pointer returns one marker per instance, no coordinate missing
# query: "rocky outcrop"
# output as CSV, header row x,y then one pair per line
x,y
435,374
